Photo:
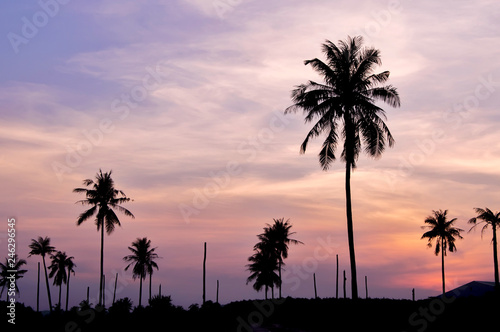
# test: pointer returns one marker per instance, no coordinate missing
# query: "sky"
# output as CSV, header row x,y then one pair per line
x,y
183,100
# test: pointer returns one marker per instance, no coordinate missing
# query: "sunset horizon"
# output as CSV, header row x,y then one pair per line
x,y
184,101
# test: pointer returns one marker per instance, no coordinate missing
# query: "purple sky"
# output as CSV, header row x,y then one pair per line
x,y
184,101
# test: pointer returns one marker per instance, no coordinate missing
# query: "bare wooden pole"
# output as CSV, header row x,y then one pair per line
x,y
337,280
345,279
366,286
315,291
217,297
204,270
159,290
413,294
88,290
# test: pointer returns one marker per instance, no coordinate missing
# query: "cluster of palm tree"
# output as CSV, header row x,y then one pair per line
x,y
343,108
444,233
104,199
60,268
267,261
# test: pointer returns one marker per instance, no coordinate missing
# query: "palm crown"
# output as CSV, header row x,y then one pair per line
x,y
41,247
442,231
103,197
347,97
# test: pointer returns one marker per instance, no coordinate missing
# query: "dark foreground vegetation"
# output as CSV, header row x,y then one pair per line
x,y
438,314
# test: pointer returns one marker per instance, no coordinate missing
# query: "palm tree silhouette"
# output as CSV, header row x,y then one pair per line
x,y
443,231
345,105
142,259
70,265
103,197
263,266
277,237
9,266
493,220
59,268
42,247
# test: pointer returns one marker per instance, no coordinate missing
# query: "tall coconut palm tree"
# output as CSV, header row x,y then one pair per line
x,y
489,219
104,198
263,266
142,259
58,270
277,237
42,247
343,107
10,266
444,233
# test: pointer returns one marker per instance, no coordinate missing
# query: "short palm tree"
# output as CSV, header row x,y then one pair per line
x,y
42,247
263,266
489,219
277,237
343,107
10,266
104,198
142,260
58,270
444,233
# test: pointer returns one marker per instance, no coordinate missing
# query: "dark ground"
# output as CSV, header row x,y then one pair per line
x,y
438,314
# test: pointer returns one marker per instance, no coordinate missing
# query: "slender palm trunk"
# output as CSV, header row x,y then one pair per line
x,y
114,292
101,271
150,282
350,231
266,291
103,288
102,263
60,291
442,262
47,283
140,290
495,257
279,272
38,290
67,290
